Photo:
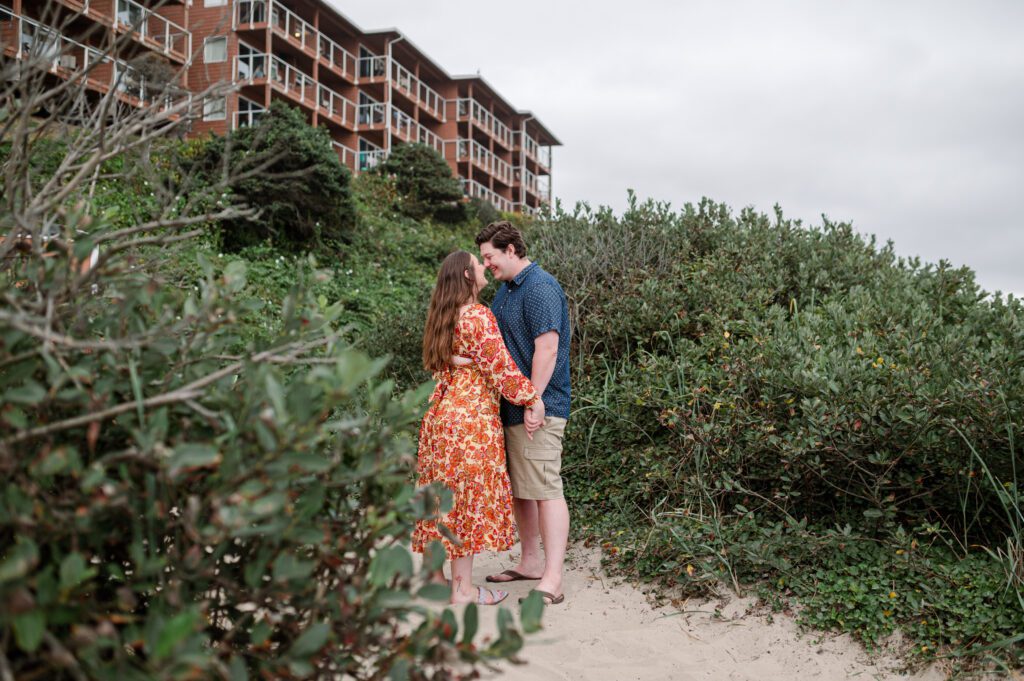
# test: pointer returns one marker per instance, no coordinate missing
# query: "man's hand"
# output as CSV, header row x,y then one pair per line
x,y
533,419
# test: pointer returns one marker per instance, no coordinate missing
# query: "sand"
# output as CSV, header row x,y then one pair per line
x,y
606,630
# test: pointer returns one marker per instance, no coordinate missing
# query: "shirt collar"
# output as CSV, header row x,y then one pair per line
x,y
519,278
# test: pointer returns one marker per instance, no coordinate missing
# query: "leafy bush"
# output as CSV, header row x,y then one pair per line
x,y
287,170
170,508
737,370
425,183
184,496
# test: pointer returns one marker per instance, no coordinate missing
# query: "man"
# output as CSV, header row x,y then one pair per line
x,y
533,317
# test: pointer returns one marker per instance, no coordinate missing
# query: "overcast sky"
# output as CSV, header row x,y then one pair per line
x,y
904,118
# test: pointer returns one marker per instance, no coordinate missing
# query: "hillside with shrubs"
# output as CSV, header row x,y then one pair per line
x,y
209,437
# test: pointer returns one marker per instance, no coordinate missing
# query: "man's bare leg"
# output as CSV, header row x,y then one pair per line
x,y
554,529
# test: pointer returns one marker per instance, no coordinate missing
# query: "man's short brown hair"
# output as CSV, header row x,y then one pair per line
x,y
501,234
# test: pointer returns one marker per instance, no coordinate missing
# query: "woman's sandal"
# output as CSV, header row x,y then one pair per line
x,y
492,593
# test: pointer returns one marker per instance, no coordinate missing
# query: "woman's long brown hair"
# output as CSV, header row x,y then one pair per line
x,y
453,290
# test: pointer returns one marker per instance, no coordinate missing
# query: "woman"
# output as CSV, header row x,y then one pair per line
x,y
462,444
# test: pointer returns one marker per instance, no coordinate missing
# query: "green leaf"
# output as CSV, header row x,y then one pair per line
x,y
174,632
390,561
530,615
19,560
287,567
399,670
74,571
237,669
192,455
29,394
449,627
311,640
434,592
261,632
234,275
16,417
29,628
470,623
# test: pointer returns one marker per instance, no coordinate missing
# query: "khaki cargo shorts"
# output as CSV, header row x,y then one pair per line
x,y
535,466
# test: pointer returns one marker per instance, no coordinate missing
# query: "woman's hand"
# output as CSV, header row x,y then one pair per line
x,y
533,419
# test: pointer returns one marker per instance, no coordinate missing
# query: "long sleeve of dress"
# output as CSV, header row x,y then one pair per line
x,y
487,349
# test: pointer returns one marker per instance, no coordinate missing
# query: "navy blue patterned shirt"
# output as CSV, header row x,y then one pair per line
x,y
530,305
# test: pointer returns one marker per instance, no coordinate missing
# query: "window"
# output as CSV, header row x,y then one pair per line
x,y
214,3
216,50
215,109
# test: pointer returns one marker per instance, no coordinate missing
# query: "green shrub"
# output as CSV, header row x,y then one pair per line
x,y
743,385
287,170
201,477
173,508
425,183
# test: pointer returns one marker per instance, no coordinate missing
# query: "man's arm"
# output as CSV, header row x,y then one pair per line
x,y
545,353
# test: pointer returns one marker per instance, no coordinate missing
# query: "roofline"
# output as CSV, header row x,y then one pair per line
x,y
520,112
441,69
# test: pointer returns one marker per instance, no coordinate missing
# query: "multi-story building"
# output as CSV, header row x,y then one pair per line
x,y
372,90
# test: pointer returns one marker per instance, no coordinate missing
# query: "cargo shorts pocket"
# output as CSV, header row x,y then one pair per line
x,y
542,452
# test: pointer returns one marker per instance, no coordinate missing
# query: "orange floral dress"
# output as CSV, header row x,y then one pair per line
x,y
462,444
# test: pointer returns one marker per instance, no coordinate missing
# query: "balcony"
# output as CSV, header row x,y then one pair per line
x,y
474,189
337,108
347,155
252,69
540,155
337,58
471,110
283,77
403,125
417,91
373,69
371,114
23,38
424,136
252,15
153,30
370,158
475,153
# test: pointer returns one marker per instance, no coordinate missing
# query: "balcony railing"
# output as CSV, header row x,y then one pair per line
x,y
296,29
541,155
371,114
337,107
528,180
72,59
252,14
473,151
250,67
337,56
405,82
424,136
403,125
476,190
347,155
370,159
373,67
282,76
471,110
172,39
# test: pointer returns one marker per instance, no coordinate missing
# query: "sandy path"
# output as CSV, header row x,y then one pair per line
x,y
607,631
